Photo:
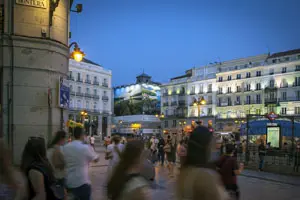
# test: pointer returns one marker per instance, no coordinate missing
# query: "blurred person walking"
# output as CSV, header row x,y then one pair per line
x,y
126,182
12,184
36,167
181,152
78,156
161,152
168,150
56,157
196,180
92,141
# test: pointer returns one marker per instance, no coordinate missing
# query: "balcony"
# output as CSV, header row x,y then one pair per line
x,y
79,94
95,111
105,98
165,104
209,102
88,95
95,96
96,82
72,93
289,99
88,81
105,112
79,80
174,93
180,115
271,101
174,103
296,84
70,78
209,91
104,84
192,93
181,93
252,102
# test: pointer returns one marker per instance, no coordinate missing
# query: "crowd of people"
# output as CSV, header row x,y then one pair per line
x,y
61,170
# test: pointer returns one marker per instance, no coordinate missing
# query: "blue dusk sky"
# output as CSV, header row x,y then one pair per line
x,y
167,37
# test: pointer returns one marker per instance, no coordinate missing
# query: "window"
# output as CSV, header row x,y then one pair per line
x,y
287,58
166,124
248,87
283,111
298,95
258,73
87,105
283,95
258,111
272,83
70,74
229,90
220,90
297,110
78,104
258,86
271,72
248,99
78,77
105,80
174,123
283,70
209,111
201,88
248,75
104,93
297,67
238,76
95,78
87,77
71,88
297,81
95,105
258,99
238,100
274,60
238,89
229,78
193,90
210,88
87,90
95,91
229,101
220,79
79,89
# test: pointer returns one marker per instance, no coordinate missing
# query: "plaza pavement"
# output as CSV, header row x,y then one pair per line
x,y
253,185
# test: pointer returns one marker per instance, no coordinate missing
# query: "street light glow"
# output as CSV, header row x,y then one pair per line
x,y
77,54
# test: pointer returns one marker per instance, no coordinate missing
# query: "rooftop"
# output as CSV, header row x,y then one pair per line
x,y
285,53
90,62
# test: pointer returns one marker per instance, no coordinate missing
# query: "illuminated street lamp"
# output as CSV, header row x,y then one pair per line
x,y
201,101
77,54
160,116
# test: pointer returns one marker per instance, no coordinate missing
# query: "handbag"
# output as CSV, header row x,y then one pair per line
x,y
167,148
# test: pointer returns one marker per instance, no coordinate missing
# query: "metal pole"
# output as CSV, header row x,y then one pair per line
x,y
199,113
293,134
61,118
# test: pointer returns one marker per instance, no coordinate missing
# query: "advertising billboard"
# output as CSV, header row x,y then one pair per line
x,y
63,93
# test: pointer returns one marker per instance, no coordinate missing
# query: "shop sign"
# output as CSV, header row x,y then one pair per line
x,y
33,3
272,116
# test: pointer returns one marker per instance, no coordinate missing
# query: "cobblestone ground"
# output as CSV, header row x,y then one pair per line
x,y
267,187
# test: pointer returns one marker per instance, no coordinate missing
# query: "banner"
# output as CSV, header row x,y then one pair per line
x,y
63,93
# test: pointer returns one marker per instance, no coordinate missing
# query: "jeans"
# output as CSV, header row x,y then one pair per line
x,y
261,161
161,157
82,192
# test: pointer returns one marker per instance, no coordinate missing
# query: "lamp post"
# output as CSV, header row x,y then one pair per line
x,y
77,54
201,101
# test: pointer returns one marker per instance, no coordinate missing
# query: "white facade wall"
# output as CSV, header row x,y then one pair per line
x,y
91,90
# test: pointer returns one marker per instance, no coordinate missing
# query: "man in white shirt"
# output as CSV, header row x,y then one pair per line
x,y
77,157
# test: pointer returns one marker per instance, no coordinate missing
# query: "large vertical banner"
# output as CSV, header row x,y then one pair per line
x,y
63,93
273,136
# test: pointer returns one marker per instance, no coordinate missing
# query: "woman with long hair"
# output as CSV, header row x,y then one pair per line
x,y
9,187
196,179
126,183
38,170
56,157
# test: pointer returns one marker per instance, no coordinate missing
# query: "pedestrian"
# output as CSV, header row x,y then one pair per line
x,y
168,150
196,180
107,141
181,151
12,183
261,154
113,153
126,183
229,169
78,157
36,167
56,157
161,152
297,158
92,141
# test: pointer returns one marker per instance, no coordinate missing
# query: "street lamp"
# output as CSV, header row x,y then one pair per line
x,y
160,116
201,101
77,54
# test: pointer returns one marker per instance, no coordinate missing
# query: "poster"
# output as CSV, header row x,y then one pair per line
x,y
64,93
273,136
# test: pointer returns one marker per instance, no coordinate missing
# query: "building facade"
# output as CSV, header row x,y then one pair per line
x,y
253,85
91,92
34,53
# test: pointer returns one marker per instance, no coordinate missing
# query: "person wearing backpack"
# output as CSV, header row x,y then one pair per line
x,y
229,169
113,153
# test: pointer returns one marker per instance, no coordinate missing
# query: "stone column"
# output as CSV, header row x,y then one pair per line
x,y
39,54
